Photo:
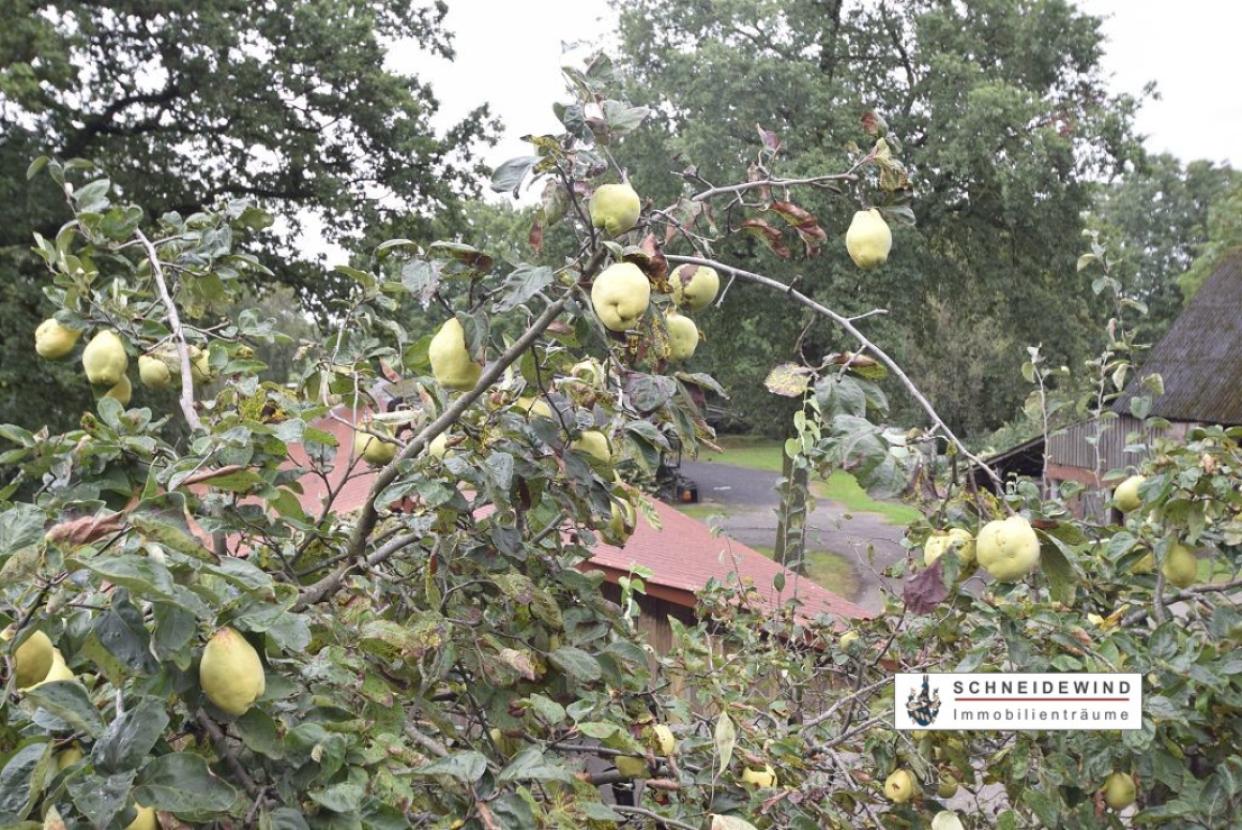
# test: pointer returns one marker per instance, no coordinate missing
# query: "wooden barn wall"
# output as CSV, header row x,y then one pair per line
x,y
1071,447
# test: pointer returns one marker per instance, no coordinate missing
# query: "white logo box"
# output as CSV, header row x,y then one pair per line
x,y
1004,701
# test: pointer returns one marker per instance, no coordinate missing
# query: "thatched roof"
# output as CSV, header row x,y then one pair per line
x,y
1200,359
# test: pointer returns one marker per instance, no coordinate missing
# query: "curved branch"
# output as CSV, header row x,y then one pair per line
x,y
847,324
174,322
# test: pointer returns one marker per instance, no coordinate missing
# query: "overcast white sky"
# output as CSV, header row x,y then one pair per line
x,y
509,53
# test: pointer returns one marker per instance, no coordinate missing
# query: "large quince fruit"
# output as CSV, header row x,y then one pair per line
x,y
1180,566
1126,496
536,407
153,372
615,208
764,779
665,739
1008,549
621,522
694,286
683,337
146,819
32,659
54,341
1119,790
230,672
620,296
631,766
451,363
59,670
68,757
104,359
373,450
123,391
438,448
868,239
200,364
938,544
899,787
946,820
595,444
591,372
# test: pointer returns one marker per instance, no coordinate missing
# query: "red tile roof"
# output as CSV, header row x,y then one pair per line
x,y
682,556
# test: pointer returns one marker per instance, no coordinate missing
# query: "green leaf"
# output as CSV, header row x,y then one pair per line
x,y
547,709
284,818
466,767
67,700
181,782
576,663
174,632
523,283
130,737
35,166
725,739
1056,562
101,797
169,535
599,730
143,576
344,797
623,118
508,177
20,526
529,764
21,780
258,732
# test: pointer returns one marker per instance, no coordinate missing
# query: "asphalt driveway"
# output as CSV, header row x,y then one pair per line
x,y
867,541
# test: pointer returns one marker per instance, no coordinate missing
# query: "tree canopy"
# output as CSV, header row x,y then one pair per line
x,y
1004,122
184,104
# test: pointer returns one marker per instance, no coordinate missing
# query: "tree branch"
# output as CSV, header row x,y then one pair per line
x,y
846,324
367,514
174,321
654,816
1140,614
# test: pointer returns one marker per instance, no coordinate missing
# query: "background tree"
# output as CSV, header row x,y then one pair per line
x,y
1004,121
1224,234
1155,219
186,103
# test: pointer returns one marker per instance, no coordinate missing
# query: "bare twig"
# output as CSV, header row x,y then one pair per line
x,y
222,747
654,816
426,741
1140,614
174,322
845,323
742,187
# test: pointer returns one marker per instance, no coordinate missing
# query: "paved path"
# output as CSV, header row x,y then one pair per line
x,y
866,540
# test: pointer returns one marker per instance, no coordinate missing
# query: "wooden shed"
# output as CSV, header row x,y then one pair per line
x,y
1200,363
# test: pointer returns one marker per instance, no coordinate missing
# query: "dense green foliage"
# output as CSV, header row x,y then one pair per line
x,y
1004,121
1155,223
187,103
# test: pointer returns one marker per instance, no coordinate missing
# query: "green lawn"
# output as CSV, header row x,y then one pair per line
x,y
765,454
827,569
701,511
